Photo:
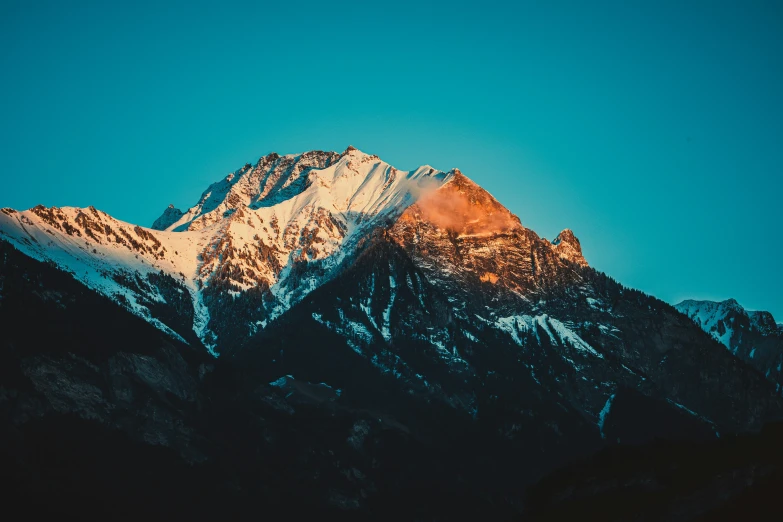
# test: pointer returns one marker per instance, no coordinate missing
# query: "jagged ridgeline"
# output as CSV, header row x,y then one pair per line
x,y
751,335
327,322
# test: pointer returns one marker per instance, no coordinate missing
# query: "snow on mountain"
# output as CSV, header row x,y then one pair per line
x,y
558,333
750,335
104,253
273,179
715,318
280,228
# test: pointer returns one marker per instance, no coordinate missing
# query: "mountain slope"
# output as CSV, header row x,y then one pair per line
x,y
105,417
753,336
466,350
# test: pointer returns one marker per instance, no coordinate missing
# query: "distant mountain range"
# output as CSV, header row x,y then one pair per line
x,y
322,331
752,336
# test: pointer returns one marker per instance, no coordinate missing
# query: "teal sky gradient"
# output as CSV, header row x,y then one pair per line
x,y
652,129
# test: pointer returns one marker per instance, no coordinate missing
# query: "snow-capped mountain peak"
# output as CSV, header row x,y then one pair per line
x,y
753,336
264,236
715,318
250,233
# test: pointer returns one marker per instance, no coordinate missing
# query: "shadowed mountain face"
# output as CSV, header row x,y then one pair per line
x,y
394,344
753,336
726,479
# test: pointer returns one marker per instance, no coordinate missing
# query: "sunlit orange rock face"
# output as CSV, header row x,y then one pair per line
x,y
464,208
461,237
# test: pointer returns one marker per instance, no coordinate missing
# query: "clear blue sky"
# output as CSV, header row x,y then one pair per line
x,y
652,129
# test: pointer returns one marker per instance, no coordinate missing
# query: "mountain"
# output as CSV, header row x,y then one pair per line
x,y
254,244
327,323
753,336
